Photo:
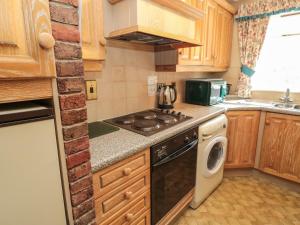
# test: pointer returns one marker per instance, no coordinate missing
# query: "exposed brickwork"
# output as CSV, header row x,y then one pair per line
x,y
71,90
64,32
65,50
73,116
75,101
70,85
69,68
75,132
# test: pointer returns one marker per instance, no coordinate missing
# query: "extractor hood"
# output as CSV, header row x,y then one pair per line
x,y
170,23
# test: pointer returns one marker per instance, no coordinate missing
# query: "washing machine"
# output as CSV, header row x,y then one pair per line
x,y
212,149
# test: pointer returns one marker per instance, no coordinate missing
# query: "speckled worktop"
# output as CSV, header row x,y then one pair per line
x,y
111,148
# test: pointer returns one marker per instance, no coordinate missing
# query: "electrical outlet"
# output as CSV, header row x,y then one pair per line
x,y
91,89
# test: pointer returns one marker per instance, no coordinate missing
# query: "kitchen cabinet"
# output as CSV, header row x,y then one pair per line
x,y
215,35
122,191
26,42
242,133
280,153
223,39
92,34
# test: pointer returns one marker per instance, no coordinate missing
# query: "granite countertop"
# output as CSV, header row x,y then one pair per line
x,y
111,148
257,104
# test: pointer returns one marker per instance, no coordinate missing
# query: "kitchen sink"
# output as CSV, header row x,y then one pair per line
x,y
297,107
284,106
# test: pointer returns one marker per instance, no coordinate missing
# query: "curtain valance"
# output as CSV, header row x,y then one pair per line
x,y
266,8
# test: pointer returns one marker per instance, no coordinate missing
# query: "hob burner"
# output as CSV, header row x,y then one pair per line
x,y
149,122
167,119
146,125
146,115
126,120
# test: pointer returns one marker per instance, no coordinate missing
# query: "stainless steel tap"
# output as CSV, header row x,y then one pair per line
x,y
286,98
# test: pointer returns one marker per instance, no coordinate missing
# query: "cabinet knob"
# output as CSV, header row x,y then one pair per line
x,y
127,171
46,40
102,41
129,217
267,122
128,194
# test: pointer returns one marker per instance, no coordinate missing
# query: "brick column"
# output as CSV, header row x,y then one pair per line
x,y
70,83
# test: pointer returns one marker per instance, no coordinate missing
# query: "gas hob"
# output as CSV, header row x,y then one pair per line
x,y
149,122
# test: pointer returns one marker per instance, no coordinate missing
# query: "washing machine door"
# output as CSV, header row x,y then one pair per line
x,y
214,156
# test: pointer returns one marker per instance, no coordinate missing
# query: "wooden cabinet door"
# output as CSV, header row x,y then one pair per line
x,y
209,32
242,138
26,43
193,55
290,158
223,38
280,154
92,35
273,143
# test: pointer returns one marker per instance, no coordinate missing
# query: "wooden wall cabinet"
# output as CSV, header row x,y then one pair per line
x,y
26,42
214,33
242,133
280,153
92,34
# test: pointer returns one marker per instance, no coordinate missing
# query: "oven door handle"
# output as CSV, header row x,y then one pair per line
x,y
176,155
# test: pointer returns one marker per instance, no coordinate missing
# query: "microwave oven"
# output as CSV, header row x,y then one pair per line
x,y
205,91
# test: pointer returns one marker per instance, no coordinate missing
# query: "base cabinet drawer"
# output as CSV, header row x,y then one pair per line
x,y
109,204
131,213
118,174
145,219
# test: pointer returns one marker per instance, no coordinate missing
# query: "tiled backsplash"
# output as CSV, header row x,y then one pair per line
x,y
122,85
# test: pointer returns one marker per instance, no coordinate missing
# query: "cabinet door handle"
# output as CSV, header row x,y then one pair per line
x,y
102,41
129,217
46,40
128,195
127,171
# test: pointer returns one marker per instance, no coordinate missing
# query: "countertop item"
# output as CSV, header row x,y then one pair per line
x,y
113,147
98,129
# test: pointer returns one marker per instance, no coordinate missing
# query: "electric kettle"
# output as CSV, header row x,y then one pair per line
x,y
167,95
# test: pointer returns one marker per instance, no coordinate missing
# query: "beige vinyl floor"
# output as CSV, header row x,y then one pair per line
x,y
246,200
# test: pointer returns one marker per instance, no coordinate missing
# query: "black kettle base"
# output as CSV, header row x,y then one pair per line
x,y
165,106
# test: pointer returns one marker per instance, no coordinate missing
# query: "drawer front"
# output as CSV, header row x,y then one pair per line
x,y
119,198
114,176
131,213
145,219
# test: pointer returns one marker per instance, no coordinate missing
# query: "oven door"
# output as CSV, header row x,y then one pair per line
x,y
172,178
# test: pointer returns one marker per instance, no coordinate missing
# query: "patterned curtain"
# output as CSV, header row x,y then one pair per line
x,y
253,19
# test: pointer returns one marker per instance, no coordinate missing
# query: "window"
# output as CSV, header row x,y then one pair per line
x,y
278,67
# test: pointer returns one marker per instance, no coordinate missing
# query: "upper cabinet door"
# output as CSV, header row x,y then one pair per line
x,y
92,35
26,43
209,32
223,41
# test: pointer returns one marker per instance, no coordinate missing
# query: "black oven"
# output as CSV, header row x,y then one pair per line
x,y
173,172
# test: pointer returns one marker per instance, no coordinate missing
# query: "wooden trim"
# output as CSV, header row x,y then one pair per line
x,y
25,90
188,42
93,65
113,1
177,5
224,4
171,215
128,45
277,174
182,7
238,166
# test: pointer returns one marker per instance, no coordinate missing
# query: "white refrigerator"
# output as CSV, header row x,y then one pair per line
x,y
30,182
